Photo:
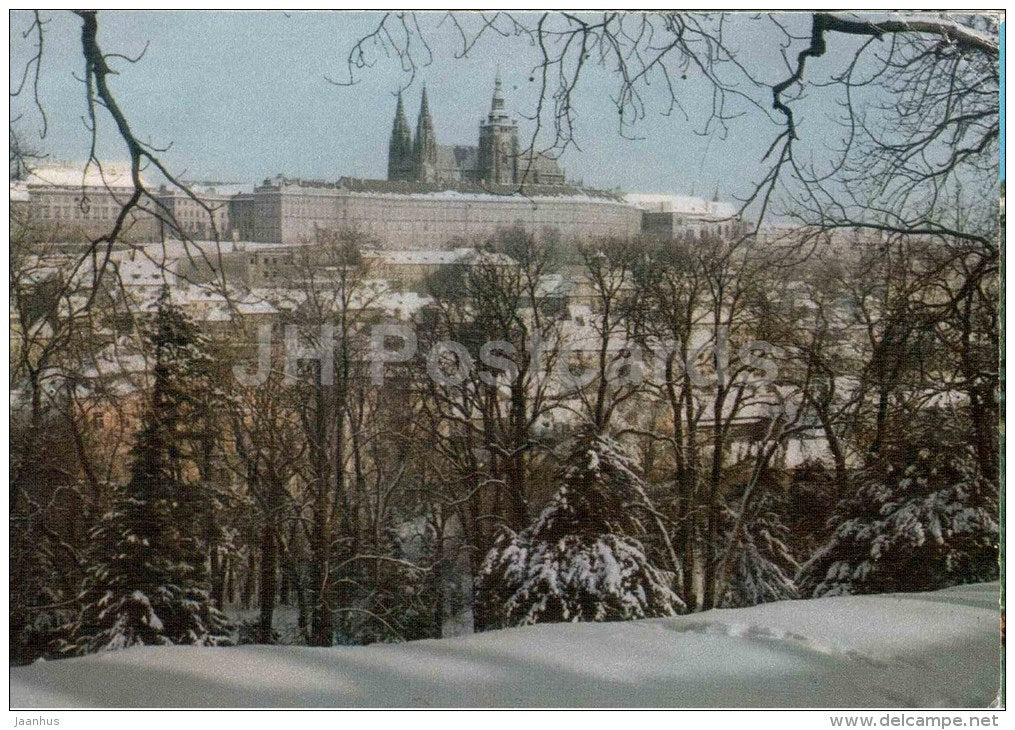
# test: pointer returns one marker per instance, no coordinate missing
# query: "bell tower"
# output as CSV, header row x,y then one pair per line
x,y
498,143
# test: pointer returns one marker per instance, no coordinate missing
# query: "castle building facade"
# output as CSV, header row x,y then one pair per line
x,y
204,213
420,216
76,203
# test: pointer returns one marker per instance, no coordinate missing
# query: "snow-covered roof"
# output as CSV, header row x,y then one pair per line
x,y
19,192
553,285
208,189
143,271
534,198
687,205
451,190
77,175
116,359
206,303
367,296
175,249
403,304
439,258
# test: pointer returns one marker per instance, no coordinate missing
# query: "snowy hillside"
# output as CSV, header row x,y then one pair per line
x,y
930,649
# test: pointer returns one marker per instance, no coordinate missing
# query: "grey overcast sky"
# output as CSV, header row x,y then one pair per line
x,y
242,96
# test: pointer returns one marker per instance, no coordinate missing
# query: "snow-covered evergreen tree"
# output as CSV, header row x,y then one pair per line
x,y
581,560
920,518
207,501
762,565
148,584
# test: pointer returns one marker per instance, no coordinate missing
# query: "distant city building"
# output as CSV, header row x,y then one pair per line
x,y
20,203
193,215
231,262
670,216
416,270
416,215
78,202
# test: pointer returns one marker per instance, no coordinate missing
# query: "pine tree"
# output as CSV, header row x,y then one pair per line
x,y
918,518
204,502
149,582
763,566
581,559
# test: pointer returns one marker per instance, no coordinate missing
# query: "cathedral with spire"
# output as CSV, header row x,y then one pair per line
x,y
495,161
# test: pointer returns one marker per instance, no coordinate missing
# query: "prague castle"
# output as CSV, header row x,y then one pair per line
x,y
435,196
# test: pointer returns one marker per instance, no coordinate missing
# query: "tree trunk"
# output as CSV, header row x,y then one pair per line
x,y
321,627
249,580
268,582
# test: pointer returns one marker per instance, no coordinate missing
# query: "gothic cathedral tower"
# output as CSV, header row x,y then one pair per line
x,y
425,147
400,160
498,143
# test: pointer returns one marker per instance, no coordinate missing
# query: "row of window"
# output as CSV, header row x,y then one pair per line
x,y
198,213
74,212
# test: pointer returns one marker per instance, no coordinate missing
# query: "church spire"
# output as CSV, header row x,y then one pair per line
x,y
425,148
497,104
424,106
400,146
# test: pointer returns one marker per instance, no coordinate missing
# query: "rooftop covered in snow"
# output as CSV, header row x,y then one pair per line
x,y
456,256
685,205
81,175
443,190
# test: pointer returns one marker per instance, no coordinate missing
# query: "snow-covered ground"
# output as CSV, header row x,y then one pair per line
x,y
900,650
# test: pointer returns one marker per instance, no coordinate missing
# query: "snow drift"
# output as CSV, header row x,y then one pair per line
x,y
897,650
